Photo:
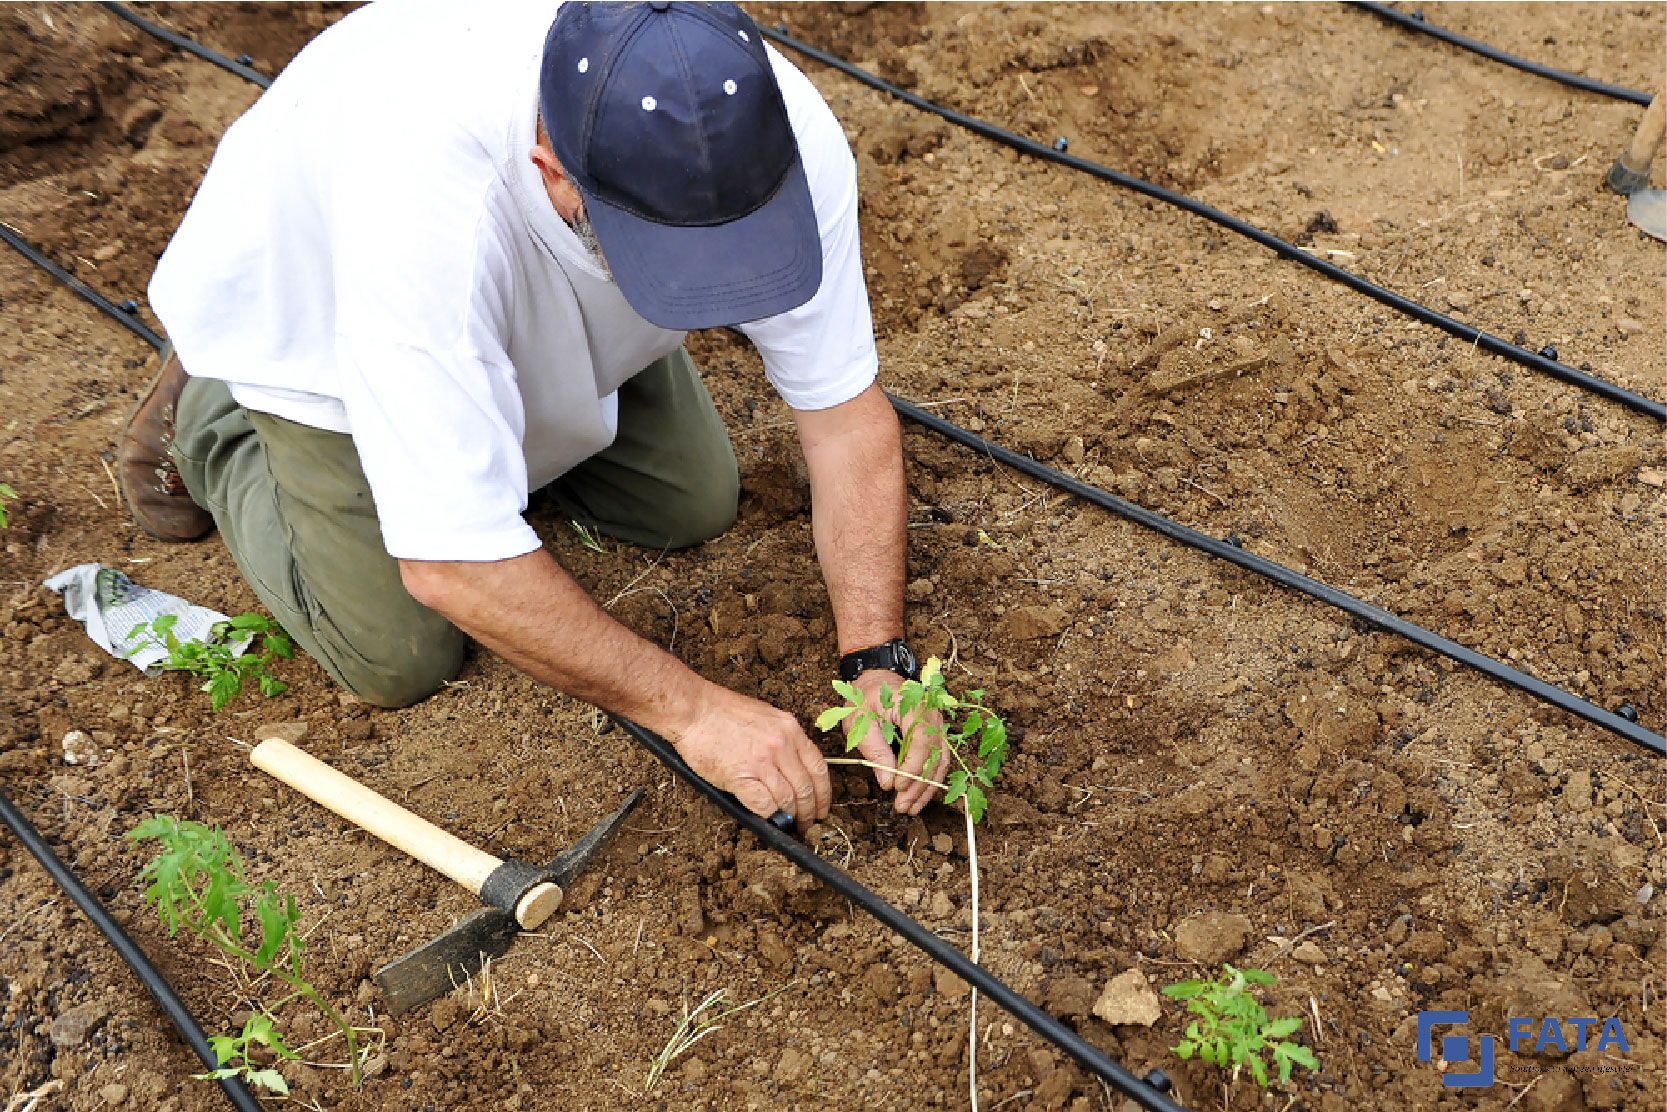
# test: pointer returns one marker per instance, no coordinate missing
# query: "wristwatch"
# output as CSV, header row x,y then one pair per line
x,y
894,656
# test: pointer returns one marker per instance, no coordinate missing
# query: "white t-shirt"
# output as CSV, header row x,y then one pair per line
x,y
373,252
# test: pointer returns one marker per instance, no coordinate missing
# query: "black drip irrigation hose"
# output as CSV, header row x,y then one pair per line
x,y
188,45
1091,1059
1492,344
1285,576
1416,22
172,1005
104,304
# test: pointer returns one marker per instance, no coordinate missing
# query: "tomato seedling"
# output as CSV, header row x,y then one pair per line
x,y
975,739
1232,1029
197,881
972,734
217,660
7,494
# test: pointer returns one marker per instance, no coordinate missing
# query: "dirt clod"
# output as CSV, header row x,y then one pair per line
x,y
1213,937
1128,998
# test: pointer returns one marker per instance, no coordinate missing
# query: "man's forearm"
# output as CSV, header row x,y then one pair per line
x,y
859,512
529,611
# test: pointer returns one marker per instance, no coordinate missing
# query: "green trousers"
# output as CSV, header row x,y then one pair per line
x,y
294,508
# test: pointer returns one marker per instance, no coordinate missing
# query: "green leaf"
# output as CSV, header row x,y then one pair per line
x,y
222,688
833,716
886,696
848,692
1186,990
1185,1050
1260,1071
271,1079
165,623
216,1075
157,826
1279,1028
274,929
278,644
249,621
224,1047
976,803
957,784
272,687
1257,976
858,729
1288,1053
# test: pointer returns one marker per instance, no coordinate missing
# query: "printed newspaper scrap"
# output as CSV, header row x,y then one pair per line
x,y
112,607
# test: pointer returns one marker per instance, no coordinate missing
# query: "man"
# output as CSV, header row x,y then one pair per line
x,y
448,259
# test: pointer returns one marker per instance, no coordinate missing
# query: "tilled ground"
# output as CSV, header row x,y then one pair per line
x,y
1205,764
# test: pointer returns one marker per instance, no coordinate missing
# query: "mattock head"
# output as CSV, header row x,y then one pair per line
x,y
436,967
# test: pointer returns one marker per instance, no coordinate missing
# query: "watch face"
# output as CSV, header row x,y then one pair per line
x,y
906,658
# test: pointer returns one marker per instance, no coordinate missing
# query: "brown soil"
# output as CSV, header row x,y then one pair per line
x,y
1188,738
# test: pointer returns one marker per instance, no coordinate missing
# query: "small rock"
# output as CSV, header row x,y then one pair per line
x,y
291,732
113,1094
1212,938
943,843
1309,954
79,749
1074,450
73,1027
1069,997
1629,327
1577,793
920,589
791,1065
949,986
1650,476
376,1066
694,1070
1218,869
942,906
1128,999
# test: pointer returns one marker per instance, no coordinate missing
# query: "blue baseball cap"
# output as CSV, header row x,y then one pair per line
x,y
668,119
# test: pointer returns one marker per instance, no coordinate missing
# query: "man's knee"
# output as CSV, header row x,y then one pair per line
x,y
405,670
709,512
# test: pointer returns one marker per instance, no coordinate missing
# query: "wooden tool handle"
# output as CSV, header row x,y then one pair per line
x,y
1646,142
395,825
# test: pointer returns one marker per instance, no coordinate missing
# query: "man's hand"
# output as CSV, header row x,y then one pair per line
x,y
759,754
912,795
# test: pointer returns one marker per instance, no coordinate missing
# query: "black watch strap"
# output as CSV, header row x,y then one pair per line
x,y
893,656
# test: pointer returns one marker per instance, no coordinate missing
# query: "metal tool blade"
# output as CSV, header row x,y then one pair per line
x,y
438,966
577,857
1648,209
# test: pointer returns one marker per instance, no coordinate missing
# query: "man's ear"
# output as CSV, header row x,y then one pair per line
x,y
563,194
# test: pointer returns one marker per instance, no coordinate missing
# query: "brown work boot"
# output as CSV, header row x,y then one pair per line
x,y
151,483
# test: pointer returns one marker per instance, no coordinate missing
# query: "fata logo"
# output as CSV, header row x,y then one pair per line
x,y
1545,1033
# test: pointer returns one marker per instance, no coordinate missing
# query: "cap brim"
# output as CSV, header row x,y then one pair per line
x,y
684,278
